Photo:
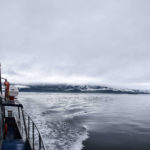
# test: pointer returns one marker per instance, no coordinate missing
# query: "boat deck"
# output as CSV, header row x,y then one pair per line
x,y
18,144
13,139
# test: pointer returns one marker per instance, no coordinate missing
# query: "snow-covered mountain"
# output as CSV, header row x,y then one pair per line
x,y
78,89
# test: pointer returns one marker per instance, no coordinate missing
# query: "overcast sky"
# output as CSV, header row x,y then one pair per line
x,y
76,41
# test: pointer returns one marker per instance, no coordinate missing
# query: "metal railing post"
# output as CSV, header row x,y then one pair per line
x,y
24,123
33,134
39,142
36,143
28,127
19,113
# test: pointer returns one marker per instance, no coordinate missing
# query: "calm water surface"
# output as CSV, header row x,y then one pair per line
x,y
90,121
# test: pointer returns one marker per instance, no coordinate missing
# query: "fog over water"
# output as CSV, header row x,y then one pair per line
x,y
82,41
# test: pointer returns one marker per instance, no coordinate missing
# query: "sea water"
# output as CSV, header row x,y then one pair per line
x,y
76,121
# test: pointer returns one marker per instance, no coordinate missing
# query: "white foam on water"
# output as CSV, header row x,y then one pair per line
x,y
78,144
56,120
62,135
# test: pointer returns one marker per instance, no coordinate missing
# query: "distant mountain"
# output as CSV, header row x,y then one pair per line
x,y
78,89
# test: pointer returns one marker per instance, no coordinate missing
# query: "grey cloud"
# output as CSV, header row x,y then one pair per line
x,y
103,41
